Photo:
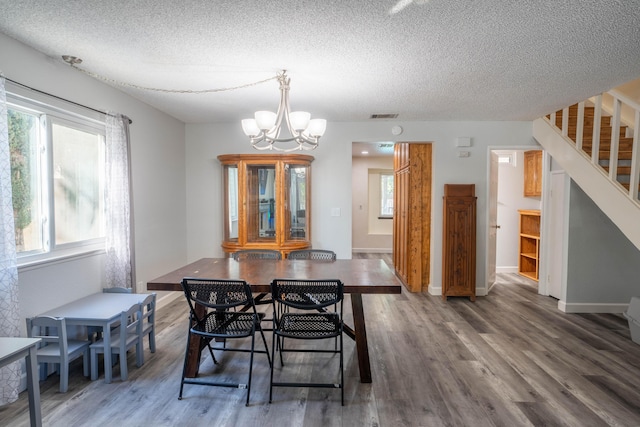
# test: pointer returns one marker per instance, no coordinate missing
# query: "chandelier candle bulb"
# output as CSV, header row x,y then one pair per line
x,y
265,119
250,127
299,120
317,127
264,130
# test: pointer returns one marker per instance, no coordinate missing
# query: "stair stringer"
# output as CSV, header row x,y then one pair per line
x,y
608,195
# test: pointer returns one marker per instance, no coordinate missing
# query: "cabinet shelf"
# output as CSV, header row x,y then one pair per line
x,y
529,244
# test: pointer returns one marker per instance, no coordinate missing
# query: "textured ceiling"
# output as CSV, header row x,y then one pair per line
x,y
421,59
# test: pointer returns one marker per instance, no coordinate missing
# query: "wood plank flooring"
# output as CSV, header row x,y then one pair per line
x,y
509,359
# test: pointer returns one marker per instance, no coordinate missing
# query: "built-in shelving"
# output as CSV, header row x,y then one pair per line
x,y
529,246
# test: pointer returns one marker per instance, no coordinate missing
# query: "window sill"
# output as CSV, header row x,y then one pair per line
x,y
40,262
385,217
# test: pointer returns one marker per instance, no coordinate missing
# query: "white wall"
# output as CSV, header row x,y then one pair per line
x,y
603,266
510,199
157,152
332,175
369,234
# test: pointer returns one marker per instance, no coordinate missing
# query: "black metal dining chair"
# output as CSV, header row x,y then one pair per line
x,y
256,254
313,254
308,318
223,322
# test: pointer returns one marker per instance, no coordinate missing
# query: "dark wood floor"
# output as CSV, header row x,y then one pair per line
x,y
509,359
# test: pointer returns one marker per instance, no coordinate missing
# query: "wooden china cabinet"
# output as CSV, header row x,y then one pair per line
x,y
267,202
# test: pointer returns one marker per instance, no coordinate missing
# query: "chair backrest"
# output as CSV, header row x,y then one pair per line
x,y
219,294
313,254
117,290
148,309
307,294
257,254
52,330
131,321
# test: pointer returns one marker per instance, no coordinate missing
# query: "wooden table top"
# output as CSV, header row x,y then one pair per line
x,y
360,276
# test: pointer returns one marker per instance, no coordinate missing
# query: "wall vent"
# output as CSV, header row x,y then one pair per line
x,y
384,116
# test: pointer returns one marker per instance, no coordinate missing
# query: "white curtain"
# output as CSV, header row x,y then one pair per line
x,y
120,270
9,310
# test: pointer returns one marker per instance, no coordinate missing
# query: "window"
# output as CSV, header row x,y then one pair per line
x,y
57,177
386,195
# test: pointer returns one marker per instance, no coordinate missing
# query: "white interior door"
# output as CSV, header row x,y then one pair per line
x,y
493,219
556,214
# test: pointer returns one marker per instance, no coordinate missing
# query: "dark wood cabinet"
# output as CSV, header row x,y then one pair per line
x,y
459,241
412,214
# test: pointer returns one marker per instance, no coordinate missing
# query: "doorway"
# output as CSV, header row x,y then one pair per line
x,y
505,198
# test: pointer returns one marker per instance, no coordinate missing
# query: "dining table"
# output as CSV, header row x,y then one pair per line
x,y
16,348
359,276
101,309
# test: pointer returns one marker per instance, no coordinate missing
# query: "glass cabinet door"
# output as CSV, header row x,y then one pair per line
x,y
261,203
296,186
231,203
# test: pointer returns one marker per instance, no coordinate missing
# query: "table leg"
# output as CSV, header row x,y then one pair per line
x,y
106,339
195,348
361,338
33,387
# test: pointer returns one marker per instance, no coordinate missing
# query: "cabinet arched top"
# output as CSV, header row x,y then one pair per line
x,y
235,158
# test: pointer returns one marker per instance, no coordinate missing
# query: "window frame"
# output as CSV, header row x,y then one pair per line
x,y
383,175
49,114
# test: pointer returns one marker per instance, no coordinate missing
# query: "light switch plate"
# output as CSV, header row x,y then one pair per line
x,y
335,211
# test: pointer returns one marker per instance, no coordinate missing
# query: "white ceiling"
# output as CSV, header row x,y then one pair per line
x,y
421,59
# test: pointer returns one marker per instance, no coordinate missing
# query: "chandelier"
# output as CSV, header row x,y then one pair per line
x,y
264,130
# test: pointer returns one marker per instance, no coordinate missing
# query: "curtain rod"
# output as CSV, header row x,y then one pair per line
x,y
62,99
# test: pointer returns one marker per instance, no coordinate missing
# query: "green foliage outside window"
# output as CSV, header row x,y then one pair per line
x,y
20,126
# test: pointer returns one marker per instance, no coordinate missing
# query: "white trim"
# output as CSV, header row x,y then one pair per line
x,y
579,307
508,269
167,299
372,250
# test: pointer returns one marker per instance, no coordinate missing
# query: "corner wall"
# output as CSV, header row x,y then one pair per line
x,y
157,154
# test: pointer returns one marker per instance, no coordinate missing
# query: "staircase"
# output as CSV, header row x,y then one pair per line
x,y
597,144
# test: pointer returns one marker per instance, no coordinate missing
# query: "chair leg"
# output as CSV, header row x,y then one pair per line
x,y
64,377
273,350
253,343
94,364
139,353
152,340
85,363
341,370
184,365
124,372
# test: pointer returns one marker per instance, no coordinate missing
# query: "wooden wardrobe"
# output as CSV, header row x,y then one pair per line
x,y
459,241
412,214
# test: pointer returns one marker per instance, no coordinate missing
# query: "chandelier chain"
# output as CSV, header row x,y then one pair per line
x,y
134,86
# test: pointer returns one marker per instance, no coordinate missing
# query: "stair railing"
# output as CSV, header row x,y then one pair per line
x,y
619,102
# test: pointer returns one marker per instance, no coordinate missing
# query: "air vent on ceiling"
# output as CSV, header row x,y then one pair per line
x,y
384,116
385,145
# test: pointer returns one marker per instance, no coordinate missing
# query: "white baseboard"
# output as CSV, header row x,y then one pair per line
x,y
591,308
437,291
372,250
507,269
167,299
